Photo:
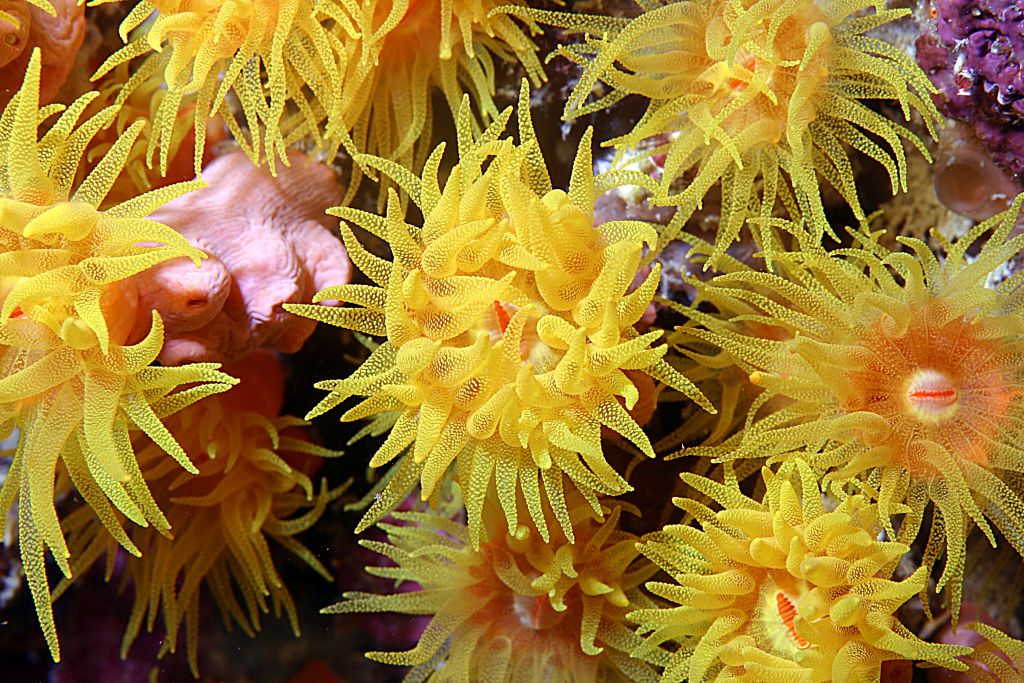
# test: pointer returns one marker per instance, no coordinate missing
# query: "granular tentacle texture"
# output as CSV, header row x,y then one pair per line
x,y
781,590
249,488
516,608
893,373
764,98
272,55
401,53
509,322
75,383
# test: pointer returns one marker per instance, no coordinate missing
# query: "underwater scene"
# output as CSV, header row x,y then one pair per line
x,y
537,341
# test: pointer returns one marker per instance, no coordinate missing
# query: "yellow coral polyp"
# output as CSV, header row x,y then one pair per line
x,y
142,103
747,94
519,608
781,590
359,76
509,323
893,373
274,56
244,493
72,383
404,50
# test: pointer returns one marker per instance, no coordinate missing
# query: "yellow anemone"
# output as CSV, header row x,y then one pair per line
x,y
405,50
781,590
249,488
518,608
275,57
509,322
71,382
895,374
748,93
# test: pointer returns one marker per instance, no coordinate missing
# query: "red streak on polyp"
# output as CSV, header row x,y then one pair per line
x,y
748,61
947,395
930,393
535,612
503,317
787,611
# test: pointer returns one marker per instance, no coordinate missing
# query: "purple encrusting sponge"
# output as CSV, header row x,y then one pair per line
x,y
974,58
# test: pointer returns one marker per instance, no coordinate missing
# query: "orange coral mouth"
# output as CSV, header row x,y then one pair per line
x,y
943,382
748,61
787,611
503,316
931,395
419,26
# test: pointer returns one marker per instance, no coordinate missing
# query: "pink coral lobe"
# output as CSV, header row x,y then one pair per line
x,y
270,242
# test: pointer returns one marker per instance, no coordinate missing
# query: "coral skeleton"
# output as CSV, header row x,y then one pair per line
x,y
56,29
268,241
973,58
660,348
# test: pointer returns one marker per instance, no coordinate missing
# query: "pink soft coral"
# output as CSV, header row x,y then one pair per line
x,y
269,242
26,25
